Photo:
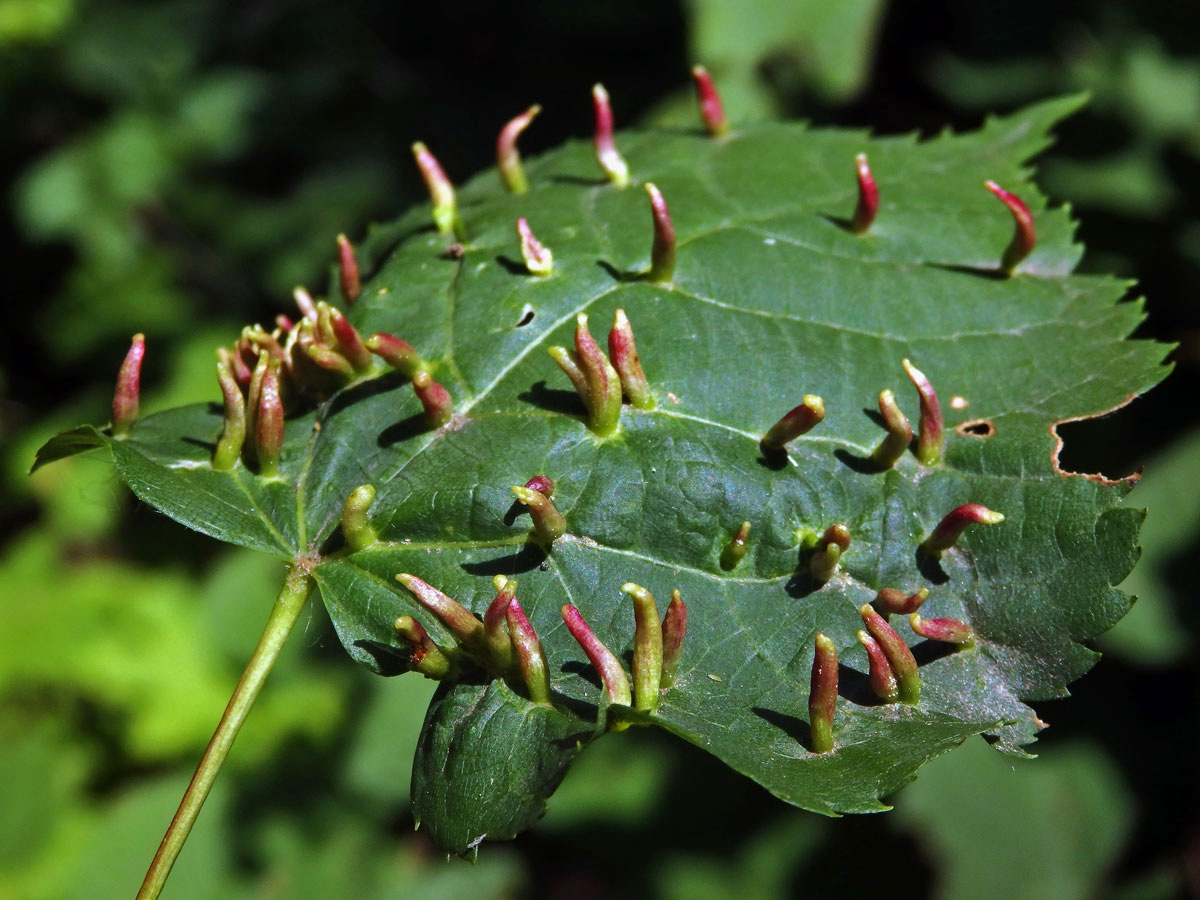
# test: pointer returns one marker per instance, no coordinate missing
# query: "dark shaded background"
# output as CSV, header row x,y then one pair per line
x,y
176,167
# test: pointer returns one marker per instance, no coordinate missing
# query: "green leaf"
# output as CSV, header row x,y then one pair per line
x,y
42,765
762,870
615,785
486,762
772,298
1151,633
106,862
1043,830
125,626
30,21
376,768
830,43
69,443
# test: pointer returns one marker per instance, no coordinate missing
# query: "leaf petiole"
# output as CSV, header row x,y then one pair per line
x,y
284,615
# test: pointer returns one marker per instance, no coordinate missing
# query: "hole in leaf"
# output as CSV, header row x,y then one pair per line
x,y
527,316
1090,447
978,428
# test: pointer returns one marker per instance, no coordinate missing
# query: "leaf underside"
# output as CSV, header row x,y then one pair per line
x,y
773,298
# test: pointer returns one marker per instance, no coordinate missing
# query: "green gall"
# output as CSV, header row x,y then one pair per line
x,y
931,436
712,114
233,419
797,421
868,196
268,425
822,694
608,667
622,350
1024,236
735,550
348,277
674,630
548,523
538,259
508,158
947,532
441,192
950,631
647,648
899,657
662,250
127,395
899,432
424,655
467,629
607,155
356,527
435,399
879,671
531,659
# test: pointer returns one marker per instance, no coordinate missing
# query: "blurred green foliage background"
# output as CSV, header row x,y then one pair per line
x,y
175,167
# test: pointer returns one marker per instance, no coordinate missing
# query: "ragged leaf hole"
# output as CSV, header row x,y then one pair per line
x,y
1083,447
976,428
